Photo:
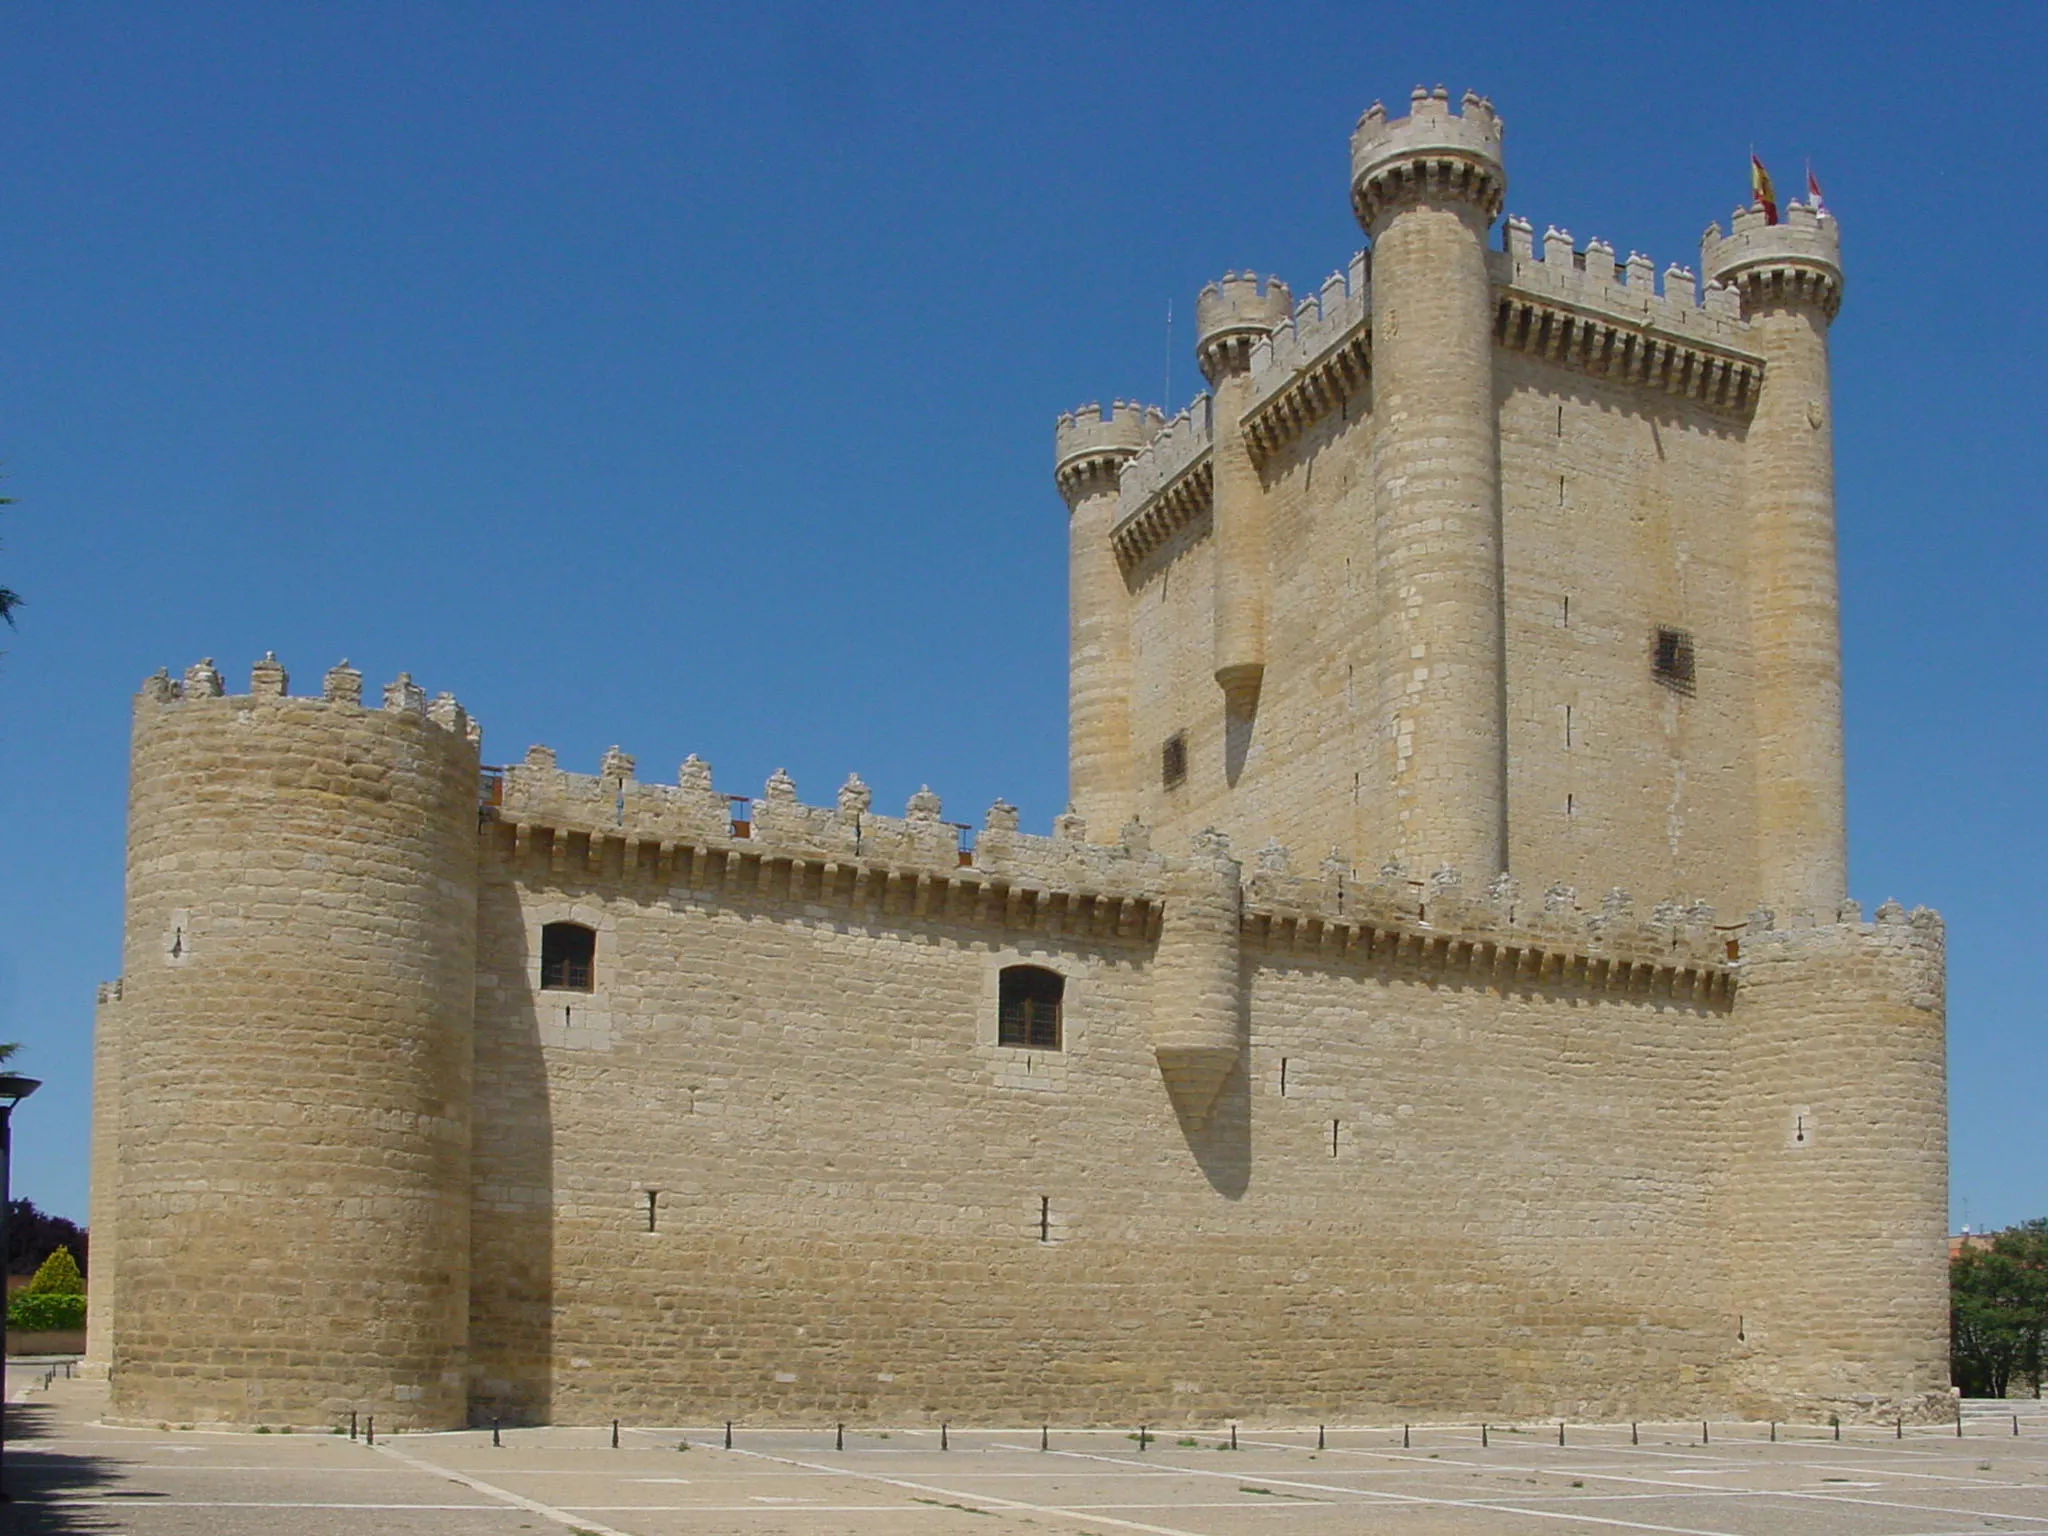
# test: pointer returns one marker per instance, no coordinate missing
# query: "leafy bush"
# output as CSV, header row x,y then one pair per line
x,y
46,1312
58,1276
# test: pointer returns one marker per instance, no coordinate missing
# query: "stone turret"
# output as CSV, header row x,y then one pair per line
x,y
1789,279
1426,188
1198,1027
1090,449
292,1110
1230,318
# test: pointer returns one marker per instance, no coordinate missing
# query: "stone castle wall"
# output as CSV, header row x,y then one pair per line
x,y
1325,1139
1621,510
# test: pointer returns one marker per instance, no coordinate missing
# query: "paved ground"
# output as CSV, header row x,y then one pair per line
x,y
71,1474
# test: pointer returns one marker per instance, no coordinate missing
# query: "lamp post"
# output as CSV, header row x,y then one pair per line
x,y
13,1089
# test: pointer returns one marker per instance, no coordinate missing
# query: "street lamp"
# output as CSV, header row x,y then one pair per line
x,y
13,1089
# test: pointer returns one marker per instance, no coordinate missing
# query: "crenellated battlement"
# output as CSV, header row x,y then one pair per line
x,y
1231,316
1797,260
1305,366
1168,485
342,686
691,835
1433,152
1583,308
1496,935
1091,445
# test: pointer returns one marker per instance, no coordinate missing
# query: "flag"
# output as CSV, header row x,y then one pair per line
x,y
1813,191
1761,190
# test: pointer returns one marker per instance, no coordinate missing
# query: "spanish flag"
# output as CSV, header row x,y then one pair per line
x,y
1761,190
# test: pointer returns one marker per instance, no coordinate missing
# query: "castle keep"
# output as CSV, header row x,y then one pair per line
x,y
1442,996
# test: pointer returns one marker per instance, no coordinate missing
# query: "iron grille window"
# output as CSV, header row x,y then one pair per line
x,y
1672,660
1029,1015
568,957
1173,760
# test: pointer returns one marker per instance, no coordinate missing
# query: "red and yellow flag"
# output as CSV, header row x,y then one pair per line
x,y
1761,190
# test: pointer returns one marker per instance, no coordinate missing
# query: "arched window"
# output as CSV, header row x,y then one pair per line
x,y
1029,1014
568,957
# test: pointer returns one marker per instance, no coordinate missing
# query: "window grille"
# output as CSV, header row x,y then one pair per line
x,y
1029,1013
568,957
1672,662
1173,760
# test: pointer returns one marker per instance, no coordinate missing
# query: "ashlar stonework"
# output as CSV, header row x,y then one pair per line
x,y
1485,576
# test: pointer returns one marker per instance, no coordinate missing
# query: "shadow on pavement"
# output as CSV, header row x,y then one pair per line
x,y
41,1479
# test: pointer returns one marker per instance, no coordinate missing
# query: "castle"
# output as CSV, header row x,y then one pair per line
x,y
1320,1065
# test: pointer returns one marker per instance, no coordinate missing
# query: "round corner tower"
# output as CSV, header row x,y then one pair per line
x,y
294,1103
1090,450
1426,188
1789,279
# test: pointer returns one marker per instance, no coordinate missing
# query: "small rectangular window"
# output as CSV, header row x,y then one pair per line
x,y
1028,1014
568,957
1173,760
1672,661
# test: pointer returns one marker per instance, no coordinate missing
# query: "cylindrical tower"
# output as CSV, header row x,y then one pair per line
x,y
1790,278
103,1190
1229,317
1090,451
299,988
1425,189
1835,1210
1198,1029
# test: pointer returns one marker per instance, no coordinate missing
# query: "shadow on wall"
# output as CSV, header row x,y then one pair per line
x,y
40,1476
1222,1142
512,1140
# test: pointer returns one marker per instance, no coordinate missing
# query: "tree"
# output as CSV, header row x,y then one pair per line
x,y
1998,1311
58,1275
32,1236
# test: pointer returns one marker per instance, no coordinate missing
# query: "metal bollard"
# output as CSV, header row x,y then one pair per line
x,y
1482,1437
370,1430
944,1444
352,1424
1560,1431
1319,1433
1703,1432
1774,1431
495,1441
2015,1424
1959,1421
615,1434
1233,1437
1141,1439
728,1434
1899,1430
1045,1437
1404,1437
839,1439
1838,1428
1633,1437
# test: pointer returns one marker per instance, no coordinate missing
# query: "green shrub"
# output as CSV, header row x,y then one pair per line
x,y
32,1312
58,1276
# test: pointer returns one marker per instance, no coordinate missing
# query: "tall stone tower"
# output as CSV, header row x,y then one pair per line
x,y
291,1138
1426,189
1482,557
1789,277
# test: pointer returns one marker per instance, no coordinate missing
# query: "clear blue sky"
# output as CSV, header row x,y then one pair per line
x,y
683,376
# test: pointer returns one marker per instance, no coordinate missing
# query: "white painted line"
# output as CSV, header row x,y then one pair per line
x,y
992,1500
545,1511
